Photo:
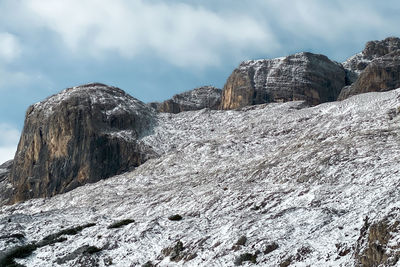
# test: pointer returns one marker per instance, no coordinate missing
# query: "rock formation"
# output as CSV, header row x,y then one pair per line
x,y
303,76
196,99
81,135
5,186
382,74
375,69
376,245
373,49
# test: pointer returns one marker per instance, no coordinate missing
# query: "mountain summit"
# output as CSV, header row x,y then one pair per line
x,y
83,134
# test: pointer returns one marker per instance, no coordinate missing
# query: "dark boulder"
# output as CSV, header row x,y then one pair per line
x,y
303,76
81,135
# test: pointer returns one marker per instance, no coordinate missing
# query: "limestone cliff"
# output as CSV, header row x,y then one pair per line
x,y
381,74
373,49
196,99
303,76
78,136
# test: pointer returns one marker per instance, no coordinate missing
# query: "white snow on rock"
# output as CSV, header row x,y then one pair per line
x,y
303,178
96,93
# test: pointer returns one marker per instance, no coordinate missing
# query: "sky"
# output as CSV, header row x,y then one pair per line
x,y
154,49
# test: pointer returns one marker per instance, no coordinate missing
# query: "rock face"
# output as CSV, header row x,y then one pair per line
x,y
303,76
376,245
78,136
196,99
382,74
373,49
5,186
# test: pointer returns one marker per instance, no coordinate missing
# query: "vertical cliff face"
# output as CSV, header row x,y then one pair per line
x,y
303,76
78,136
373,50
196,99
381,74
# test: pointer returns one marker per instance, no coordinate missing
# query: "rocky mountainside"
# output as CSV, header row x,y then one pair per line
x,y
375,69
81,135
196,99
373,50
271,185
303,76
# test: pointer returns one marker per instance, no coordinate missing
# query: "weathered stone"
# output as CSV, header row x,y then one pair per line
x,y
196,99
6,188
373,49
382,74
374,246
81,135
303,76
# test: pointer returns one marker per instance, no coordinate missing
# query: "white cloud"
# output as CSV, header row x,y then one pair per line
x,y
9,138
180,33
9,47
326,20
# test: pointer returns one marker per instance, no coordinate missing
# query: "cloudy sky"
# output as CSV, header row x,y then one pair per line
x,y
153,49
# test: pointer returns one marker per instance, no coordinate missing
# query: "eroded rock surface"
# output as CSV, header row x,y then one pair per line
x,y
196,99
381,74
378,242
6,188
373,49
303,76
81,135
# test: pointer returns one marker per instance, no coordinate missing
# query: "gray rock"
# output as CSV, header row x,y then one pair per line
x,y
303,76
381,74
196,99
81,135
373,49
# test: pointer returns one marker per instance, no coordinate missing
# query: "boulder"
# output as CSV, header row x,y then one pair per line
x,y
81,135
303,76
196,99
381,74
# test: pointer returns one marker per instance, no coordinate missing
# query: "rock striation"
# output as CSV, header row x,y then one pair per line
x,y
382,74
81,135
6,188
303,76
373,49
375,69
196,99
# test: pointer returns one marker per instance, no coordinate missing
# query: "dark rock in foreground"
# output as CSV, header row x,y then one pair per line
x,y
303,76
196,99
81,135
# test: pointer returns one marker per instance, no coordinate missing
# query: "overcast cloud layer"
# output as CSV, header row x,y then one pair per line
x,y
154,49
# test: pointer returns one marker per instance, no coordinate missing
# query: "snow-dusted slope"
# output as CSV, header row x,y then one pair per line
x,y
297,180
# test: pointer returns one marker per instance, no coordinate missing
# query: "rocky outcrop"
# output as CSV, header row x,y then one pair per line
x,y
196,99
81,135
373,49
381,74
376,245
6,188
303,76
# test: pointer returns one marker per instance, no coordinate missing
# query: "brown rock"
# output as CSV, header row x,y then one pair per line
x,y
373,49
81,135
303,76
196,99
374,246
382,74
